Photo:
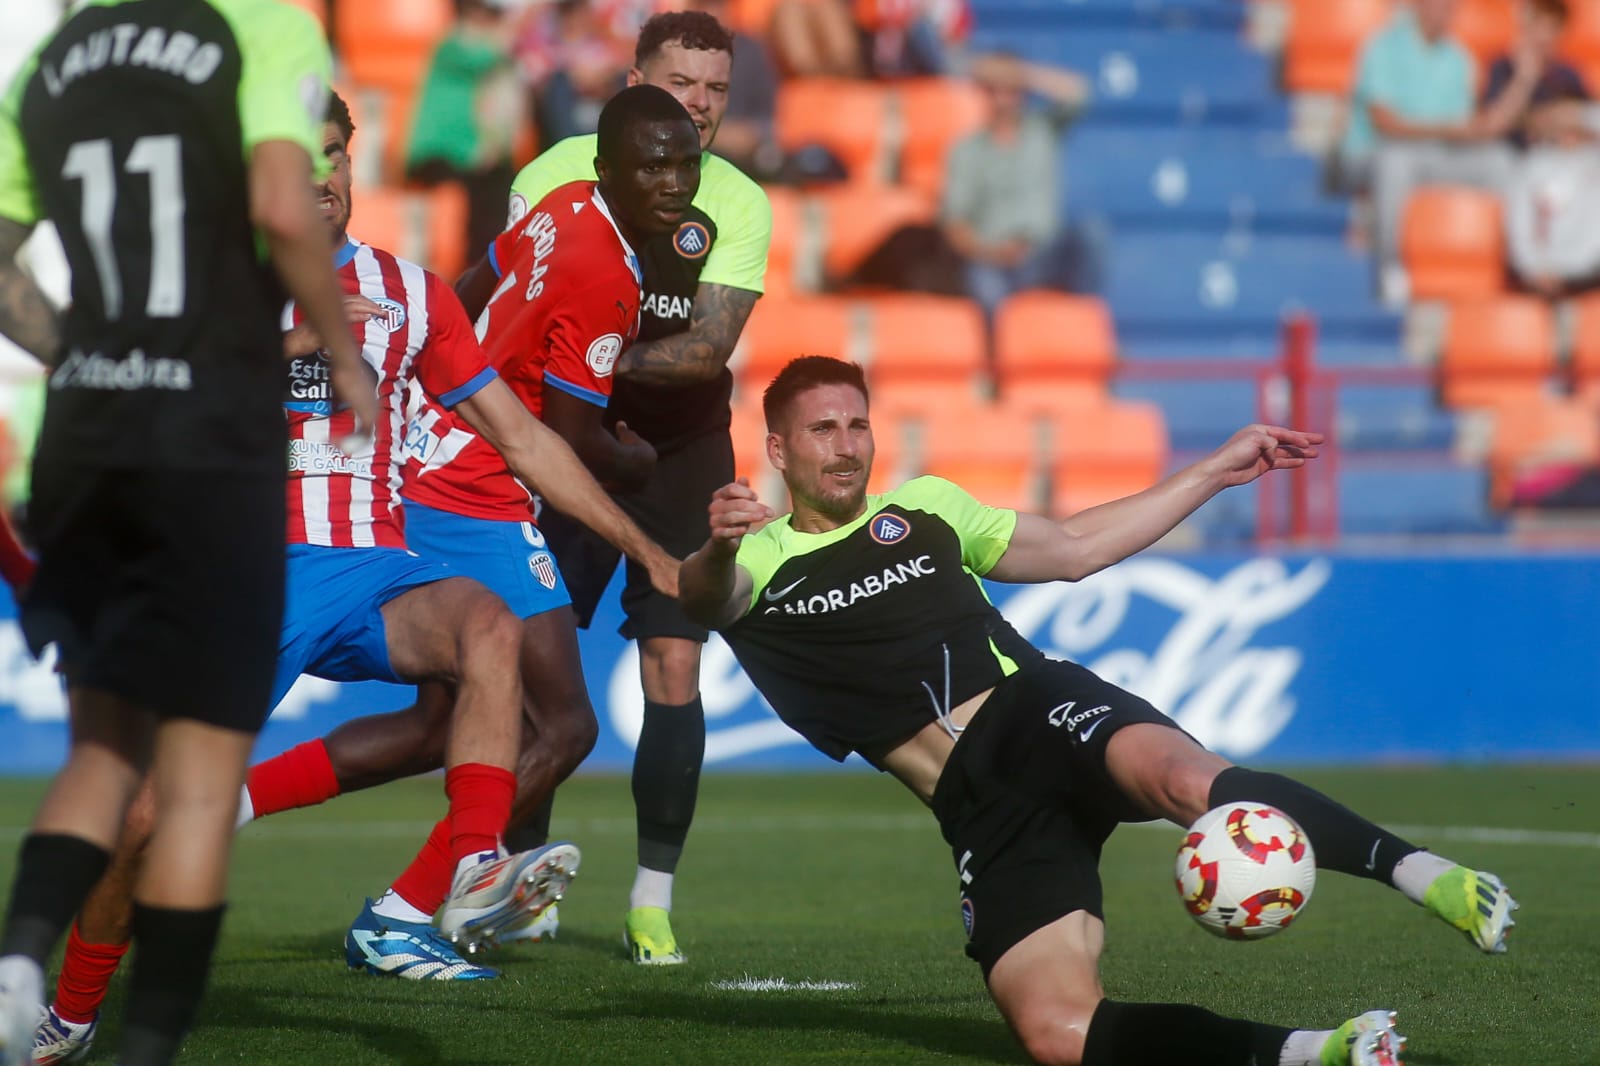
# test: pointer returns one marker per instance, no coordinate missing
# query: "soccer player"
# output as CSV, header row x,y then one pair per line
x,y
170,141
363,607
672,387
861,620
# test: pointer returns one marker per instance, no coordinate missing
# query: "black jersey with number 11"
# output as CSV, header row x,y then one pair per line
x,y
131,130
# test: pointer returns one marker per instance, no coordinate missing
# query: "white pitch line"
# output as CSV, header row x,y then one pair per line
x,y
781,984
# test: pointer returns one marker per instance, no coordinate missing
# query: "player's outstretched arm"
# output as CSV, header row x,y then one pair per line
x,y
712,588
1095,538
283,208
698,353
26,316
544,462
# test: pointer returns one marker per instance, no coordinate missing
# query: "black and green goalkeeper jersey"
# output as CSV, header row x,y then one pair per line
x,y
861,636
131,129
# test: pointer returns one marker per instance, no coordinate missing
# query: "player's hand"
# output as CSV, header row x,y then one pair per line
x,y
304,340
663,570
1256,450
736,511
636,461
356,386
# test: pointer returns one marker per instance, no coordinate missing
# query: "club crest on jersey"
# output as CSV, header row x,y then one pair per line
x,y
966,915
543,566
393,318
889,529
692,240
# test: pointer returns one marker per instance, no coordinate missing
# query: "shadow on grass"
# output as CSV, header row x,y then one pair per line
x,y
880,1018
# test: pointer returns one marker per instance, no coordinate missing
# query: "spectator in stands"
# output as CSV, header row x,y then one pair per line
x,y
1001,186
910,38
1522,85
747,137
469,111
816,39
574,60
1412,121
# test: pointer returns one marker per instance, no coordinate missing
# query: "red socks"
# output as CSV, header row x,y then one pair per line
x,y
86,971
480,805
16,565
300,777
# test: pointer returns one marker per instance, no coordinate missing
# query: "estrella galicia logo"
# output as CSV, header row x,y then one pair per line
x,y
889,529
692,240
966,915
393,318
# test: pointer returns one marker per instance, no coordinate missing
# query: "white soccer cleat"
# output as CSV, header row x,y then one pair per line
x,y
21,1003
533,928
490,896
60,1041
1367,1039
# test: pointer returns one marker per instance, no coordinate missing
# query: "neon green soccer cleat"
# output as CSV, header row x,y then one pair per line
x,y
1366,1040
1475,903
648,937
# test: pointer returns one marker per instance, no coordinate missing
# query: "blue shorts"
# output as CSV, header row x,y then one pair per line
x,y
508,558
333,612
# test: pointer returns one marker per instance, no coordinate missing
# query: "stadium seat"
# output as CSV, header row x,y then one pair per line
x,y
1107,452
924,338
1541,432
751,16
1586,346
1497,352
857,217
427,227
1053,351
1581,43
1325,39
846,117
389,42
782,328
787,222
1453,243
996,453
934,114
1488,28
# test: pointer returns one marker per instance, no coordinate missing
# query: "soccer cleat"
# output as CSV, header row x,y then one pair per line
x,y
21,1003
1475,903
58,1040
1366,1040
412,950
533,928
647,935
490,896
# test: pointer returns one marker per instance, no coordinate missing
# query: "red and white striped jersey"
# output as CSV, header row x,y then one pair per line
x,y
422,340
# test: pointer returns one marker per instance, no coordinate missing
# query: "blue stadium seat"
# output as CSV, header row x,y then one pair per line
x,y
1439,497
1047,15
1393,418
1200,414
1142,180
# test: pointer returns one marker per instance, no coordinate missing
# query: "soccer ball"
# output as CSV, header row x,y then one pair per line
x,y
1245,870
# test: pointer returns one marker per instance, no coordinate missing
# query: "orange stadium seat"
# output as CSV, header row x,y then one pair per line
x,y
935,113
1452,242
1580,45
1586,346
753,16
1497,352
1054,351
1540,432
1107,452
846,117
788,219
915,338
994,452
784,327
858,217
1488,28
425,226
1325,39
389,42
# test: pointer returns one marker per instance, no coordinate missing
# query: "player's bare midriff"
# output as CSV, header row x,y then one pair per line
x,y
919,761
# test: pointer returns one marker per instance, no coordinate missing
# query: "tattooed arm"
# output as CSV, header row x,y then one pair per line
x,y
698,353
25,315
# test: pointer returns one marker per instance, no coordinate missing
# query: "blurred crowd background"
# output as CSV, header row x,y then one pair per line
x,y
1076,242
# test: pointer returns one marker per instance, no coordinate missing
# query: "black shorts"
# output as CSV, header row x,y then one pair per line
x,y
1026,803
164,588
671,509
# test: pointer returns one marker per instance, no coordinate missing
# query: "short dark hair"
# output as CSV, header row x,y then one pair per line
x,y
806,373
690,29
339,115
633,105
1559,10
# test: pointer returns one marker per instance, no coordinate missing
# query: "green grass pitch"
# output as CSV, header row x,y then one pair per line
x,y
843,878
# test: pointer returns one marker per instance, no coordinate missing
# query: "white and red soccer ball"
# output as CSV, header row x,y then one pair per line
x,y
1245,870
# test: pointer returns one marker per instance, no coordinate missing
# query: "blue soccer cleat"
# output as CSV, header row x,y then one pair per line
x,y
413,950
